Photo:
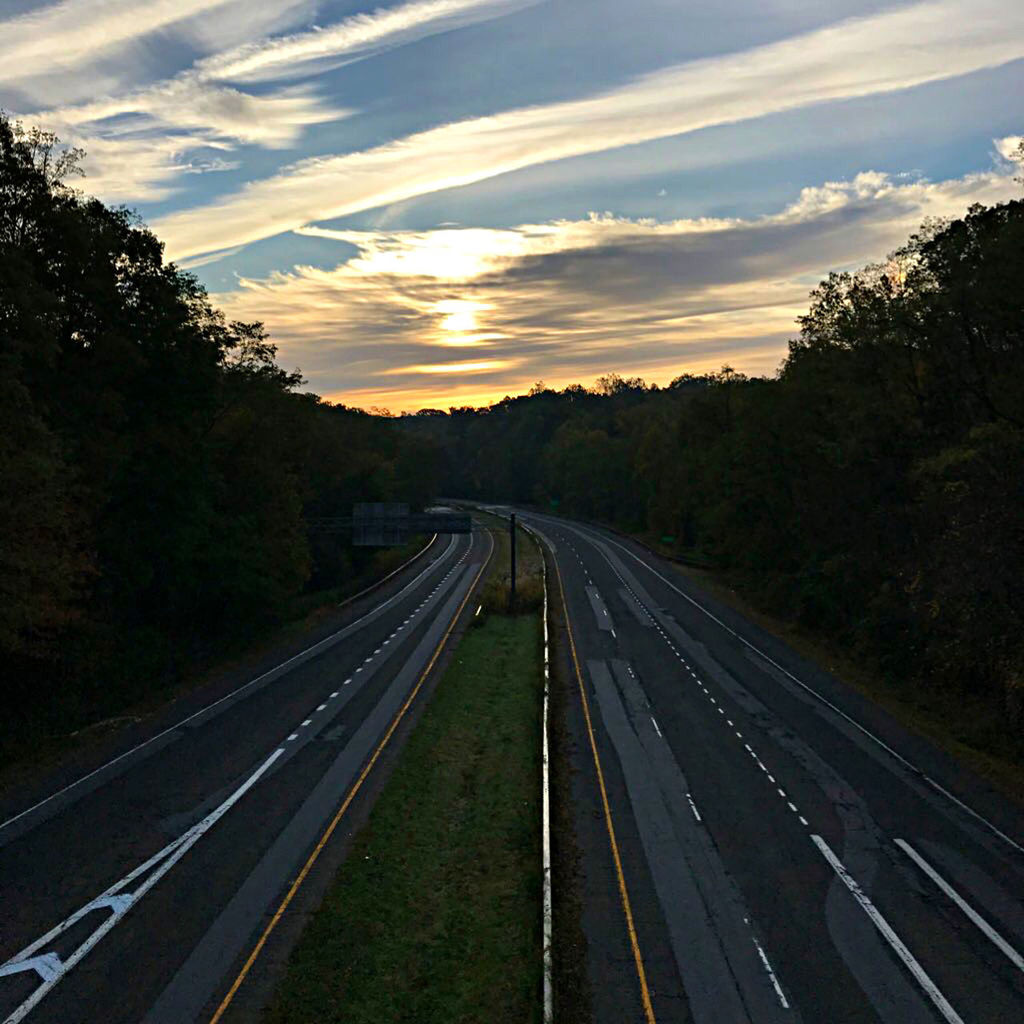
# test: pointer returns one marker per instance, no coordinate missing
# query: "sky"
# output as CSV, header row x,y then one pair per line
x,y
434,203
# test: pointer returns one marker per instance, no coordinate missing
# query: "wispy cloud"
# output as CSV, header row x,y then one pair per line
x,y
137,144
156,124
568,300
57,50
77,30
478,366
889,51
218,113
357,37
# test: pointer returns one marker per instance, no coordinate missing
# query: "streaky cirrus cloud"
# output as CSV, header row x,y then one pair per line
x,y
75,30
137,144
354,38
156,124
889,51
274,119
51,40
568,300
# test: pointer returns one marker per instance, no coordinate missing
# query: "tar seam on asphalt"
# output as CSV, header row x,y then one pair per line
x,y
926,983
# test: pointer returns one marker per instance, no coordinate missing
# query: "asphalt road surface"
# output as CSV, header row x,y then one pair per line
x,y
133,885
783,850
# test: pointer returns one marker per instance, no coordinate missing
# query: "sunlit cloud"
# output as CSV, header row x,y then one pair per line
x,y
471,340
889,51
1009,148
54,50
353,38
459,314
137,144
181,103
163,121
480,366
216,113
568,300
147,164
450,254
77,30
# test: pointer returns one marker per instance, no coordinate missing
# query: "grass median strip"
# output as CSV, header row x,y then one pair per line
x,y
435,915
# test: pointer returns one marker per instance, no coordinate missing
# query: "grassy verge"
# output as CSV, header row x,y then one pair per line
x,y
529,569
382,562
435,915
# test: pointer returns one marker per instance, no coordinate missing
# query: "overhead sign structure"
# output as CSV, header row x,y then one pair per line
x,y
391,524
380,524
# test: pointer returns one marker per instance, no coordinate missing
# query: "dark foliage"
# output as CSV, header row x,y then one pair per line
x,y
157,467
873,490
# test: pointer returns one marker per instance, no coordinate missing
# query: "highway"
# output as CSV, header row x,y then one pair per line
x,y
757,841
137,877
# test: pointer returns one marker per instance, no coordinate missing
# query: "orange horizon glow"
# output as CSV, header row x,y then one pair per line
x,y
410,400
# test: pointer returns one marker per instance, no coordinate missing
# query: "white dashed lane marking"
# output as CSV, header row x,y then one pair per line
x,y
369,658
938,999
711,698
693,807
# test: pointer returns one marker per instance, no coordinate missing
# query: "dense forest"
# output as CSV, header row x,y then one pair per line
x,y
158,469
872,491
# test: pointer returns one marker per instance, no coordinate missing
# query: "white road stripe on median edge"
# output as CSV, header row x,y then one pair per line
x,y
929,986
549,1009
325,642
50,967
990,933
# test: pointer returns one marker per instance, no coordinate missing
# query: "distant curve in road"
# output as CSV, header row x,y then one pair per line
x,y
788,851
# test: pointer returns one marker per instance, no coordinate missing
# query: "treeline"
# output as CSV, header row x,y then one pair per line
x,y
158,469
873,490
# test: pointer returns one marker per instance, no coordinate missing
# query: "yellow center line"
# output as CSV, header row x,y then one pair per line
x,y
623,891
307,867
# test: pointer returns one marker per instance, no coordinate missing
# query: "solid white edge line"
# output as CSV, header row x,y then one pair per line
x,y
990,933
548,931
120,903
173,852
909,765
929,986
240,689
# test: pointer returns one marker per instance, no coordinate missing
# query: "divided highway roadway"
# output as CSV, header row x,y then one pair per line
x,y
758,842
133,888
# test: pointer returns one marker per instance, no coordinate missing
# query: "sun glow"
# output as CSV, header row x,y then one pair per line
x,y
479,366
472,340
460,324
